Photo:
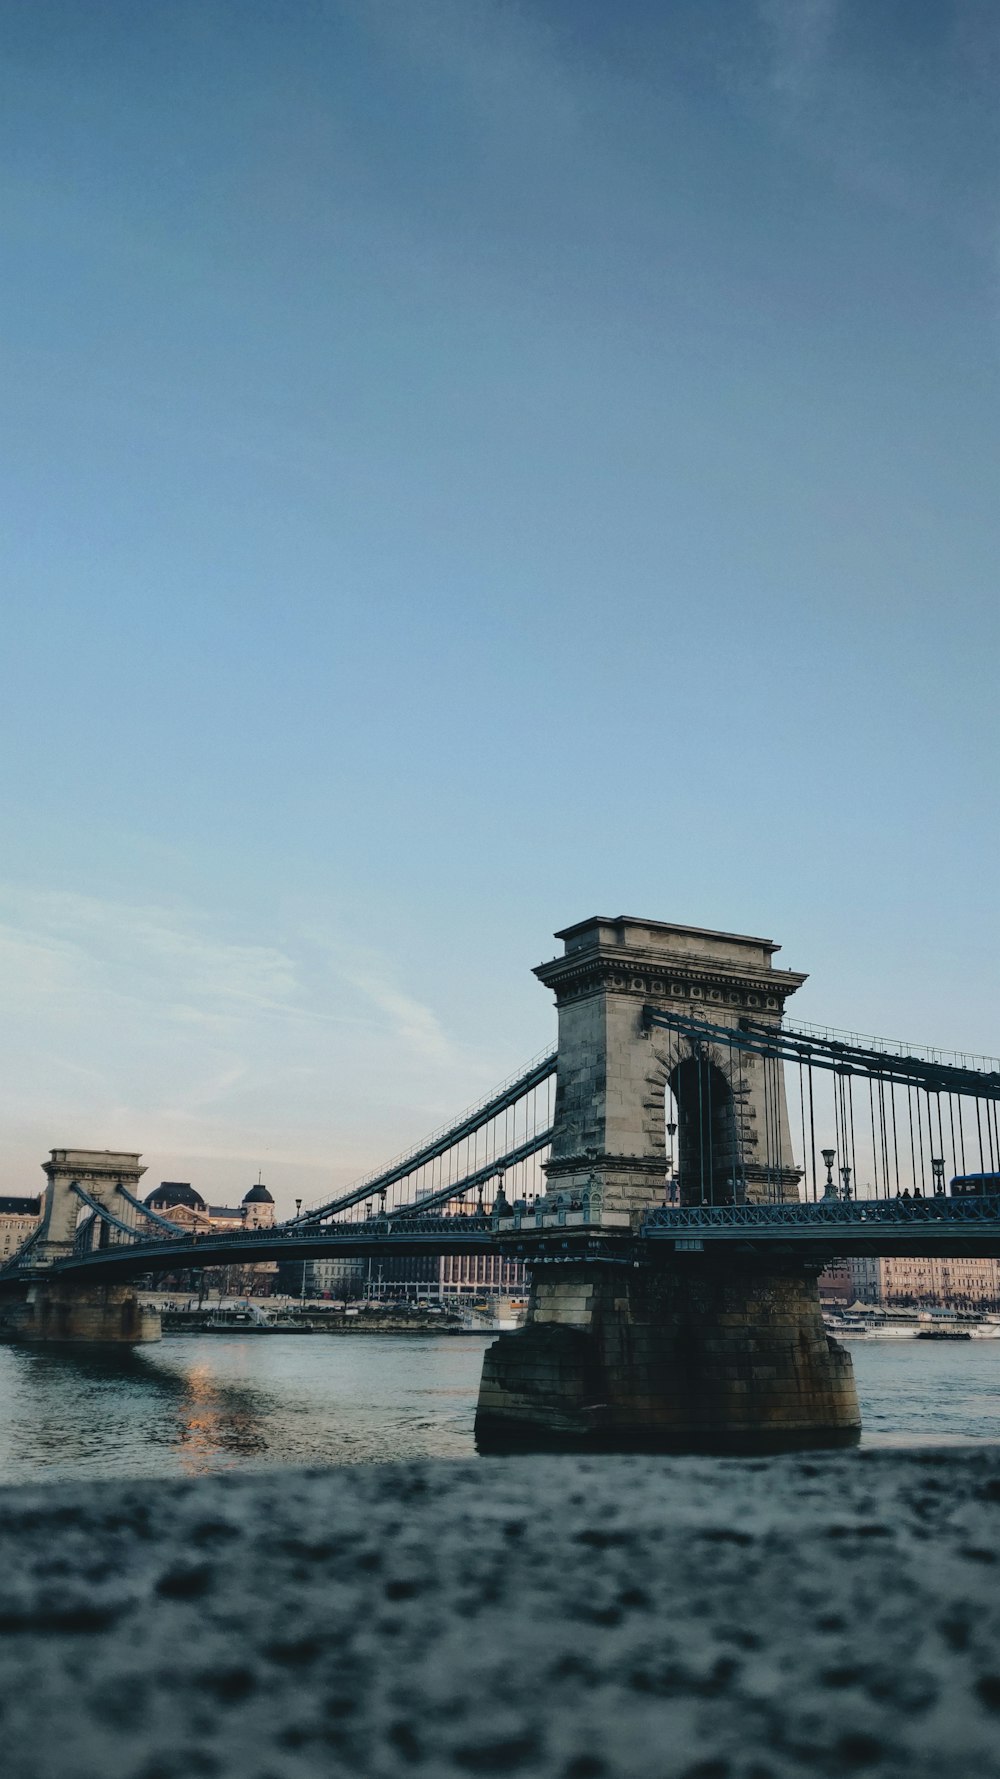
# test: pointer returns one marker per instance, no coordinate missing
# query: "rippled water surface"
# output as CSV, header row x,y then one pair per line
x,y
211,1402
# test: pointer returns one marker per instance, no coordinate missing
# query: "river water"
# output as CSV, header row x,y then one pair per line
x,y
195,1403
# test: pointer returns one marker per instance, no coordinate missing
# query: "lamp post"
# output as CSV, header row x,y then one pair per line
x,y
671,1133
302,1288
829,1156
937,1169
845,1174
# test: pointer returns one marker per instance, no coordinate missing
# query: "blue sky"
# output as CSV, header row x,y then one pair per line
x,y
468,466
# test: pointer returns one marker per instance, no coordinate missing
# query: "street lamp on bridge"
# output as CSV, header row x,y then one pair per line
x,y
302,1291
829,1157
937,1168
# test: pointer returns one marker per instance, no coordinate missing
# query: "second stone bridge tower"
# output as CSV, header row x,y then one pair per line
x,y
623,1347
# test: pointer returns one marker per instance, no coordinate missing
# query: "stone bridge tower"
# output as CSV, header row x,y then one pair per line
x,y
50,1308
609,1142
626,1345
100,1172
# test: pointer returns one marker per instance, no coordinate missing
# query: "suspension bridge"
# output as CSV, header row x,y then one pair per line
x,y
675,1171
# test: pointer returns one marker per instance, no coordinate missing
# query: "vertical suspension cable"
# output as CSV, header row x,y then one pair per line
x,y
710,1090
765,1096
854,1157
990,1135
920,1140
779,1144
769,1124
875,1169
812,1131
895,1137
766,1099
701,1133
839,1122
775,1134
883,1141
802,1115
884,1133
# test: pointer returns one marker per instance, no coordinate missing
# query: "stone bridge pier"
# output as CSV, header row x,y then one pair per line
x,y
696,1351
47,1307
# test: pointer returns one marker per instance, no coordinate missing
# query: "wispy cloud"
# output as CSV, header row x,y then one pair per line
x,y
370,974
151,1027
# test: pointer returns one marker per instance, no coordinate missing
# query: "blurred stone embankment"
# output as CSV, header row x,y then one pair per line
x,y
542,1618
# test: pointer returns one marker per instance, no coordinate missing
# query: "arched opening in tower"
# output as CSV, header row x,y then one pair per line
x,y
706,1153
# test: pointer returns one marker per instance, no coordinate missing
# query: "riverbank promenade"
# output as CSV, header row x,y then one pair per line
x,y
543,1618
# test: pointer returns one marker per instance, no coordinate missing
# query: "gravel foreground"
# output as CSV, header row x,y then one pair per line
x,y
571,1617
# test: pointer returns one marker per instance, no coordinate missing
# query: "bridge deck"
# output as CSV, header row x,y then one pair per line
x,y
956,1228
923,1227
411,1236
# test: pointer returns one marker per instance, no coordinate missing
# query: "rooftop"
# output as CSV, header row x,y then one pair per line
x,y
662,926
176,1192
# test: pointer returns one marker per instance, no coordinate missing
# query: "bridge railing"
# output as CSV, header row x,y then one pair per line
x,y
197,1251
905,1212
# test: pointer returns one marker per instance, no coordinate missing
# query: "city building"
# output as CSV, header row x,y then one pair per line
x,y
953,1284
19,1217
338,1278
837,1284
903,1281
438,1276
182,1204
481,1275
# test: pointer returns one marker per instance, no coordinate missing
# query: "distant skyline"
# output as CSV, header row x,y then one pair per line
x,y
469,466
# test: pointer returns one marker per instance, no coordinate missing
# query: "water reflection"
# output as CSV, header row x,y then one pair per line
x,y
212,1402
217,1419
78,1411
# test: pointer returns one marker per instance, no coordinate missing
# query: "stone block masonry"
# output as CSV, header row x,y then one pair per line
x,y
699,1355
544,1618
56,1310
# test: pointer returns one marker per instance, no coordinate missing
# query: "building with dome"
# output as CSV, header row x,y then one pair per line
x,y
179,1201
259,1207
172,1196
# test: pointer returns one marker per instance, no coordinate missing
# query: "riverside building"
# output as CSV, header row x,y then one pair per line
x,y
440,1276
903,1281
19,1217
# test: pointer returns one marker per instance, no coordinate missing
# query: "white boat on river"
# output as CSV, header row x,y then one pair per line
x,y
871,1322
